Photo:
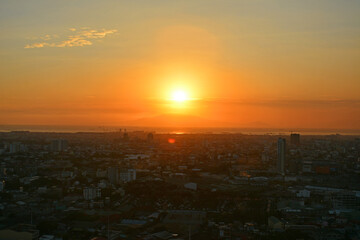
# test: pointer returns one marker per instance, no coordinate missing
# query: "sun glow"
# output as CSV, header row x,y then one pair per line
x,y
179,96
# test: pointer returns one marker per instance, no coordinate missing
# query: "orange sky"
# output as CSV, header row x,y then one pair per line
x,y
290,64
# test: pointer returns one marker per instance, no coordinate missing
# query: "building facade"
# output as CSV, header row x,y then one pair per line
x,y
281,164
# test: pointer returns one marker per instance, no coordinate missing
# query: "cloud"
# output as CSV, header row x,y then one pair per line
x,y
74,41
35,45
79,38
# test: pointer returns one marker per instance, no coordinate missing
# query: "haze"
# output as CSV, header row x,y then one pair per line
x,y
234,63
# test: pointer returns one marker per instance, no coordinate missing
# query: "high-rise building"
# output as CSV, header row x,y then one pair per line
x,y
2,186
150,137
91,193
113,175
16,147
59,145
295,139
128,175
281,155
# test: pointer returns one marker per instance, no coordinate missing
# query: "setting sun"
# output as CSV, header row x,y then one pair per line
x,y
179,96
246,64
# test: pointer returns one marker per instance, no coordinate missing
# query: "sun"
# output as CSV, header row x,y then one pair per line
x,y
179,96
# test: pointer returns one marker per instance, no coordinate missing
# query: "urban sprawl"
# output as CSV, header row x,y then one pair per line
x,y
145,185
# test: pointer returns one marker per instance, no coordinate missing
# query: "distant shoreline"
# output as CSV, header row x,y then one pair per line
x,y
179,130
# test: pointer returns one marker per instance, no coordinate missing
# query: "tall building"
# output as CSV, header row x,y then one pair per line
x,y
281,155
150,137
16,147
59,145
2,186
91,193
113,175
128,175
295,139
2,170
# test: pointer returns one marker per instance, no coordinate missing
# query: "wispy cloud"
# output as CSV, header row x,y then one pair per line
x,y
78,38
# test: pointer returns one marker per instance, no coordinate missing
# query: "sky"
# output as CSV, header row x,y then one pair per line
x,y
240,63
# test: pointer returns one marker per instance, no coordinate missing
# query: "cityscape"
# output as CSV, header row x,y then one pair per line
x,y
179,120
143,185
